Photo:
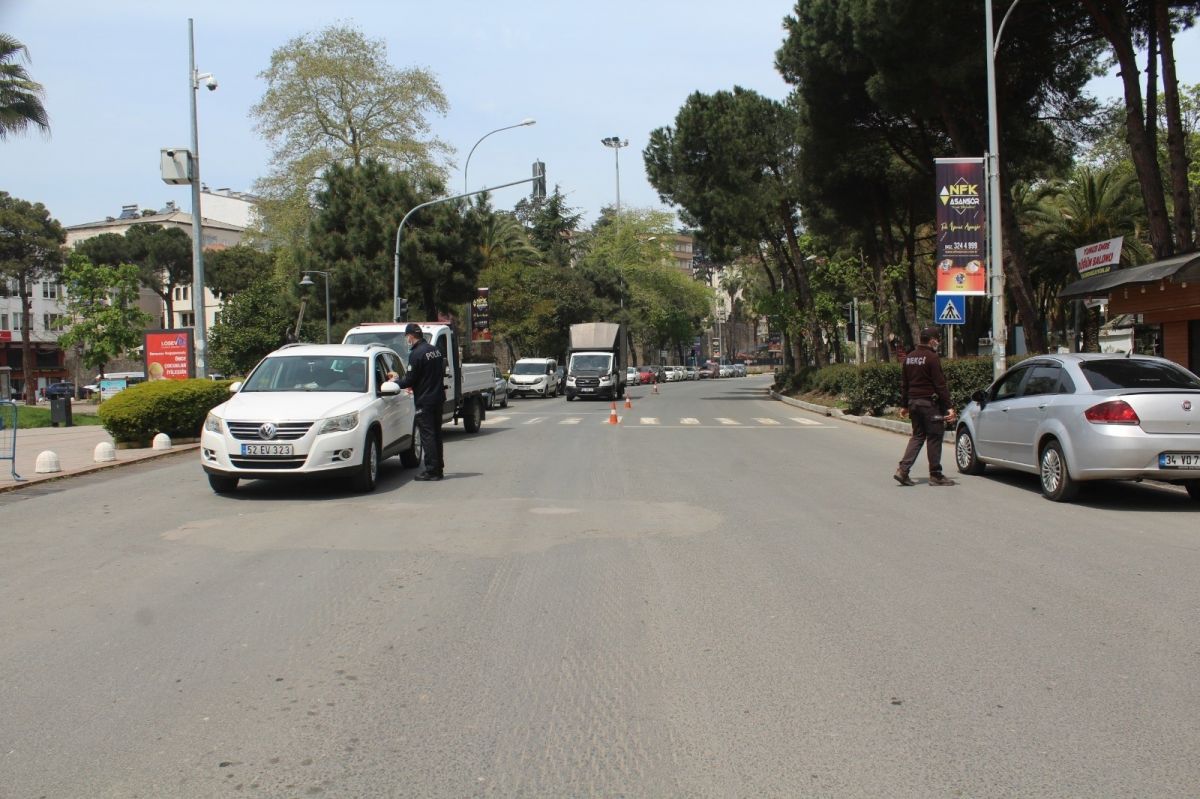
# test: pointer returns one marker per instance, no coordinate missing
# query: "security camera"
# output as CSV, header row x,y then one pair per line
x,y
211,83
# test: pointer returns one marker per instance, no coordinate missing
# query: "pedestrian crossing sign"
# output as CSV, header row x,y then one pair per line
x,y
949,309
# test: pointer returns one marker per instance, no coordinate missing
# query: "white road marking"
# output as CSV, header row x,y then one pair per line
x,y
723,420
764,420
571,420
536,420
496,419
689,420
801,420
649,420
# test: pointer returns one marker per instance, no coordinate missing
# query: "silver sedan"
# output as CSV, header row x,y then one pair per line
x,y
1077,417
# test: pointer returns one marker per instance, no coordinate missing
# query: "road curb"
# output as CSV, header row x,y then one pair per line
x,y
891,425
99,467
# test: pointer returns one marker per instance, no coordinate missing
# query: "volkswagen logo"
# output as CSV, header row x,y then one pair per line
x,y
1187,405
267,431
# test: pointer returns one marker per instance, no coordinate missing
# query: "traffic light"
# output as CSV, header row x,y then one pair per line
x,y
401,309
850,320
539,182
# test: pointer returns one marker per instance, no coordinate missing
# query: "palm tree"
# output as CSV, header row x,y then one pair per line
x,y
1092,205
505,240
20,96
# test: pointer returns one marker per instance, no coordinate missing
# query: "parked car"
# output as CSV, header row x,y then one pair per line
x,y
1072,418
739,370
498,396
632,376
60,391
312,410
693,373
647,375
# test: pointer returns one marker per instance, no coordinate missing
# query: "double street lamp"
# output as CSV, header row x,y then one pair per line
x,y
523,123
306,282
616,143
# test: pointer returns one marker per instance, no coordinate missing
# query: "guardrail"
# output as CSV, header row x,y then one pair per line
x,y
8,436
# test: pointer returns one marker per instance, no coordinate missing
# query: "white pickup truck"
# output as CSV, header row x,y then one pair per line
x,y
467,384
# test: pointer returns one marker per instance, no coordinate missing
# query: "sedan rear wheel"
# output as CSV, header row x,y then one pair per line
x,y
964,453
1057,483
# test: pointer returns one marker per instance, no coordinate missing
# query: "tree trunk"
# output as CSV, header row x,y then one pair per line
x,y
1176,143
1020,287
804,290
1113,23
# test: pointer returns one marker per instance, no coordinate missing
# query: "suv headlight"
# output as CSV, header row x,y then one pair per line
x,y
339,424
212,423
605,378
570,380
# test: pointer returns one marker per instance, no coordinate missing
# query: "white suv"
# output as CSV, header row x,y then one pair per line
x,y
312,410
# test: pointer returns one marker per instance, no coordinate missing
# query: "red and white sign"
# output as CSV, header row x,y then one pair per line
x,y
1098,258
168,354
5,335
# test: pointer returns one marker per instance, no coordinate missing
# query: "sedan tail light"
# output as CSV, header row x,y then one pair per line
x,y
1112,412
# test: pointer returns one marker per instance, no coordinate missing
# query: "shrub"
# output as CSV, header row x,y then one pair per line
x,y
874,387
965,376
174,407
836,379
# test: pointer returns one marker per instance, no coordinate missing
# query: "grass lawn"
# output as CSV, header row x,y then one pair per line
x,y
29,416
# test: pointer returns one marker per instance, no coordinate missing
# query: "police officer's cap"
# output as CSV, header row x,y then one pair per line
x,y
930,333
413,329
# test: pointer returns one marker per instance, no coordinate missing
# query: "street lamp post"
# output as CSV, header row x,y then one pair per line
x,y
996,253
616,143
199,324
467,165
307,281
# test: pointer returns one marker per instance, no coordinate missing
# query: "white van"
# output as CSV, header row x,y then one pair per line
x,y
537,376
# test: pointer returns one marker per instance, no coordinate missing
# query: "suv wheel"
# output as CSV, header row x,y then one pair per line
x,y
221,484
367,474
411,457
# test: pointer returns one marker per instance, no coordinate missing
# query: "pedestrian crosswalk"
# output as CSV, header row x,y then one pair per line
x,y
655,421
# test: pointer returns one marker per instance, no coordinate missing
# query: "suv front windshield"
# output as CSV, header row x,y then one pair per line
x,y
309,373
1130,373
529,369
590,363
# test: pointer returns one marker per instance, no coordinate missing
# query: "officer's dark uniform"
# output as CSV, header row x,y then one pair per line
x,y
426,370
923,391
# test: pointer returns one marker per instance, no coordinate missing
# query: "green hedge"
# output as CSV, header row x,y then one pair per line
x,y
174,407
874,387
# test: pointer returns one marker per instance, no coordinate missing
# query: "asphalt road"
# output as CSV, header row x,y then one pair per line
x,y
733,600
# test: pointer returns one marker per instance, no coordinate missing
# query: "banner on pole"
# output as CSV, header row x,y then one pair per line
x,y
481,320
961,226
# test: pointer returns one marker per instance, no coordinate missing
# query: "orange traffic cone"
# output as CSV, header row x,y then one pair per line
x,y
612,414
628,404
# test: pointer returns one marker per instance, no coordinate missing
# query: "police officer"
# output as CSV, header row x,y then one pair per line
x,y
925,397
424,380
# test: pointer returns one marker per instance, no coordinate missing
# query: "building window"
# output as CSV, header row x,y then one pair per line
x,y
49,290
17,320
187,319
3,321
181,293
51,321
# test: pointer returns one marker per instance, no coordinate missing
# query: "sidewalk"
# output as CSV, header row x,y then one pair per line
x,y
75,447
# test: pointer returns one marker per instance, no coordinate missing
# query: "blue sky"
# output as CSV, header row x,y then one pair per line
x,y
117,92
